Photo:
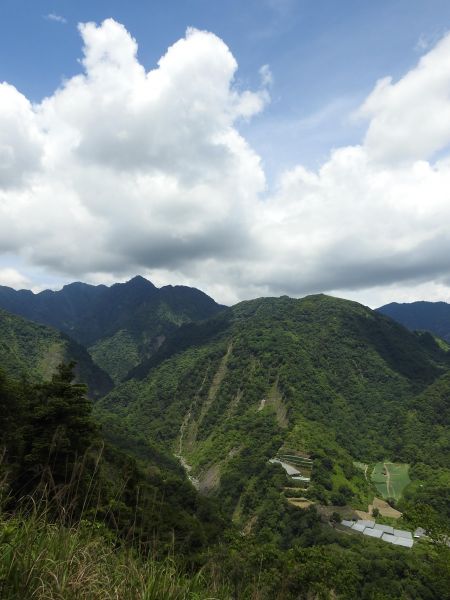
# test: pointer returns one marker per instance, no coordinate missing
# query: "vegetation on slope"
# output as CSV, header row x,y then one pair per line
x,y
110,521
33,351
52,447
121,325
322,375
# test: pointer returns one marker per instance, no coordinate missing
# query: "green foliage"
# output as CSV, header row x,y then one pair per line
x,y
122,325
59,431
32,351
56,455
431,486
40,559
117,354
321,376
326,376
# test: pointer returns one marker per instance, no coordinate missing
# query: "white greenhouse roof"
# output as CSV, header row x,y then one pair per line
x,y
384,528
398,537
376,533
288,468
397,541
366,523
403,534
347,523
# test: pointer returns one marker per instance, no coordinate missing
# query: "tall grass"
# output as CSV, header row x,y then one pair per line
x,y
44,560
53,548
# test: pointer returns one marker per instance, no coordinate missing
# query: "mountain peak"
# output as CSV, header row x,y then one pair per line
x,y
140,281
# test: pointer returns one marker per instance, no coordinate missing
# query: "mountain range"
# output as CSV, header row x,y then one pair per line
x,y
421,316
186,389
119,325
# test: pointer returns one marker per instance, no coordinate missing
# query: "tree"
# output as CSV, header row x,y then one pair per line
x,y
59,434
336,517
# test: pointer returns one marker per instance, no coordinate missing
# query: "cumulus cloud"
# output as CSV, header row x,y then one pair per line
x,y
122,171
410,119
376,214
137,169
20,138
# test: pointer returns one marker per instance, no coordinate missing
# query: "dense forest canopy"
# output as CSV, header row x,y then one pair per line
x,y
322,379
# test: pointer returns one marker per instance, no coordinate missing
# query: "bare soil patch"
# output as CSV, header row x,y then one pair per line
x,y
385,509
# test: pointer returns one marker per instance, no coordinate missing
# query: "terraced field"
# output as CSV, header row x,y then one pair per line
x,y
390,479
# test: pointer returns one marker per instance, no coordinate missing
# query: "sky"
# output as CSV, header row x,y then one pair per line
x,y
259,147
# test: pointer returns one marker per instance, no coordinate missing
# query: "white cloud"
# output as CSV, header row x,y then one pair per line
x,y
13,278
56,18
410,119
138,169
20,138
123,171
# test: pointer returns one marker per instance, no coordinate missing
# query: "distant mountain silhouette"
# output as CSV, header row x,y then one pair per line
x,y
421,316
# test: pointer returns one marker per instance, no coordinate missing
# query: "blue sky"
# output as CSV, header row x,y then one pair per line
x,y
332,177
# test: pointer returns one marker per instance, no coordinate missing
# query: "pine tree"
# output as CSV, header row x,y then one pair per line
x,y
59,434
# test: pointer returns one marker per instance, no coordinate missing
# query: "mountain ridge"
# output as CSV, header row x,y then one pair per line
x,y
421,315
320,375
120,325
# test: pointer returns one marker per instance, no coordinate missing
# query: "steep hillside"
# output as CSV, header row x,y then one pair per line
x,y
421,316
326,377
121,325
34,351
324,380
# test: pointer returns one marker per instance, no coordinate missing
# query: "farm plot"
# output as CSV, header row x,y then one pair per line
x,y
390,479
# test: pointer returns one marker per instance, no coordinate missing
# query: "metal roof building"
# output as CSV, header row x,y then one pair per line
x,y
366,523
398,541
376,533
397,537
347,523
403,534
384,528
290,470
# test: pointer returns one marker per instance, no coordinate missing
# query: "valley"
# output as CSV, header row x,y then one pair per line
x,y
266,423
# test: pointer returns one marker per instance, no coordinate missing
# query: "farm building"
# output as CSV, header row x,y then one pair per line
x,y
290,470
420,532
347,523
398,540
297,465
386,533
366,523
384,528
376,533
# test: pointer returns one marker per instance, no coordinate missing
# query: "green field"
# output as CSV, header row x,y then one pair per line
x,y
390,479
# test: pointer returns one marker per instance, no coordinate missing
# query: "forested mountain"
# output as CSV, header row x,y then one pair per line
x,y
120,325
33,351
327,381
421,316
327,377
54,451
